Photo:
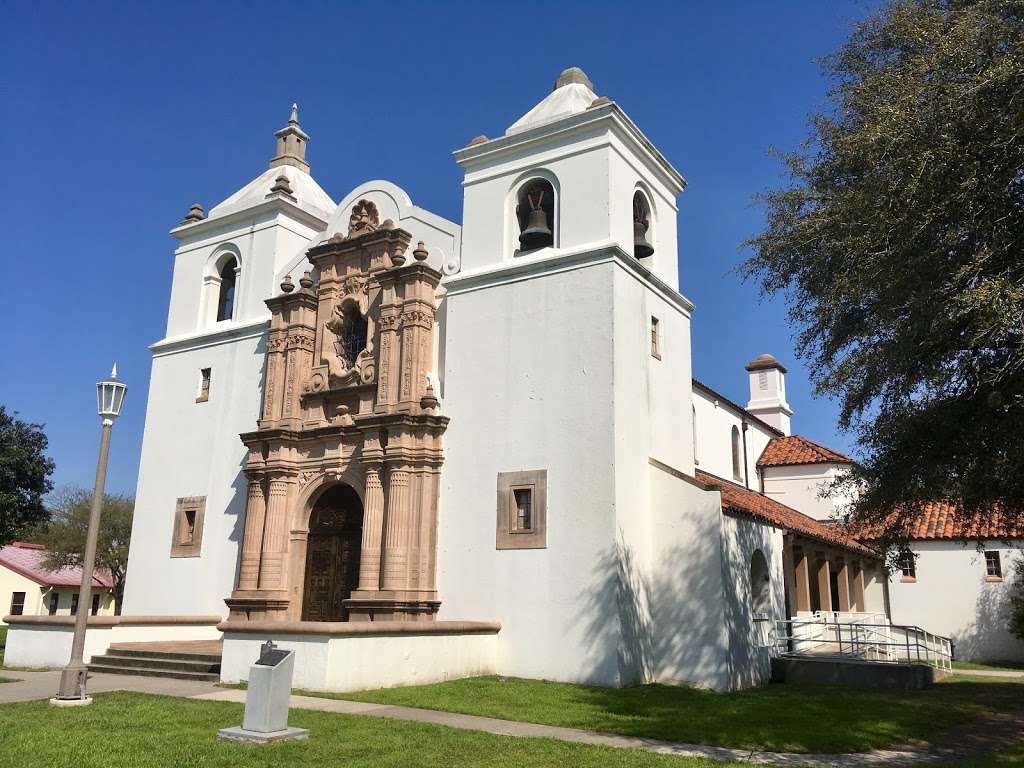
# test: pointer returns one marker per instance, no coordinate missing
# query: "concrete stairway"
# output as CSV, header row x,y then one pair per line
x,y
181,661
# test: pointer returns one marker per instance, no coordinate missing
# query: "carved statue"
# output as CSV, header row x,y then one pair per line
x,y
364,219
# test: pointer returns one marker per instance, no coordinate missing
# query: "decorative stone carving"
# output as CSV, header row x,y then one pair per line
x,y
348,355
364,219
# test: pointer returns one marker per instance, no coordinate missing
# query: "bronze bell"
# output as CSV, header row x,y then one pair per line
x,y
641,248
537,234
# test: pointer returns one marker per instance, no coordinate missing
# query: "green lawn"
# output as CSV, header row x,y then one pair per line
x,y
136,730
998,666
775,718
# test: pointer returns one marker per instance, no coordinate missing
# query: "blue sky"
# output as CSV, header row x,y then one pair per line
x,y
117,117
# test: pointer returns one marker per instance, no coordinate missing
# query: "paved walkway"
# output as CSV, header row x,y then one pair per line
x,y
989,672
1002,732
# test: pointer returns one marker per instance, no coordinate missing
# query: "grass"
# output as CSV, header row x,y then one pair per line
x,y
136,730
996,666
775,718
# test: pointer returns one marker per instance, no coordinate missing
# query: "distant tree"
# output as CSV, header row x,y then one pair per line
x,y
1017,599
898,241
24,476
69,524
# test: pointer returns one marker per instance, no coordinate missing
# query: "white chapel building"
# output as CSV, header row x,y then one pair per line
x,y
414,450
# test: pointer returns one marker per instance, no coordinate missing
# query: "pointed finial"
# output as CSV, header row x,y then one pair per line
x,y
113,371
291,143
294,116
287,286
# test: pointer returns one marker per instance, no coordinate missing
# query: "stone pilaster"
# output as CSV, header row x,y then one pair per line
x,y
373,523
252,541
275,535
396,545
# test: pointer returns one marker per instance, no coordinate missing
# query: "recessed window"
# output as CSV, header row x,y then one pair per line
x,y
226,295
54,603
522,499
642,247
655,338
993,566
204,385
74,604
535,212
737,450
17,603
522,510
908,566
95,607
189,512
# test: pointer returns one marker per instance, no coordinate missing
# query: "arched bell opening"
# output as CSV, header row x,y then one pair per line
x,y
535,212
332,554
642,247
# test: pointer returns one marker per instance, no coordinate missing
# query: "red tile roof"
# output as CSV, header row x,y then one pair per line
x,y
941,520
27,560
742,501
796,449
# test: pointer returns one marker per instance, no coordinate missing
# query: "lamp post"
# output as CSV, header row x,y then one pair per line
x,y
109,399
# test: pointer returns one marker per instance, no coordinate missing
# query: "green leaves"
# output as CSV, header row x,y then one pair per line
x,y
24,476
899,243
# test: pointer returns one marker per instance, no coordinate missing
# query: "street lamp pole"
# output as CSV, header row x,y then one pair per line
x,y
110,397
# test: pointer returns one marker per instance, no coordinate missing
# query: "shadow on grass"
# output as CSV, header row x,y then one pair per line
x,y
774,718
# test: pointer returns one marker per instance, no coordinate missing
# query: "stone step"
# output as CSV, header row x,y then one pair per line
x,y
148,672
183,664
210,658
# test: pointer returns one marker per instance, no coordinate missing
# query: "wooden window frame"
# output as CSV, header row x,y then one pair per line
x,y
20,608
74,603
180,545
989,576
54,604
905,559
507,533
655,338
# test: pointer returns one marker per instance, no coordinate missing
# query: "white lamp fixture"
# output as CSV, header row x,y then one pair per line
x,y
110,397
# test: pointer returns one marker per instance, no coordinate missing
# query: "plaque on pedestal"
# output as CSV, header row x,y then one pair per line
x,y
266,701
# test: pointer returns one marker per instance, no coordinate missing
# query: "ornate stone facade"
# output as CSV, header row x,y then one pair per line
x,y
347,400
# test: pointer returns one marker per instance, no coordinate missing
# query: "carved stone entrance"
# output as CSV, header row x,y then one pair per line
x,y
332,554
347,403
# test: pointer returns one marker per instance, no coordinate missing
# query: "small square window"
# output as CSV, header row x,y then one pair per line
x,y
522,510
204,385
655,338
993,566
17,603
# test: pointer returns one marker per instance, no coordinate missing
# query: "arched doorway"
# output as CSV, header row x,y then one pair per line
x,y
332,554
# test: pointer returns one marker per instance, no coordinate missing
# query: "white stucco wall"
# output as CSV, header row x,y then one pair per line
x,y
715,419
800,487
360,662
951,597
11,582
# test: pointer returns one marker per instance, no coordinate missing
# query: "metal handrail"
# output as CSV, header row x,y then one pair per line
x,y
888,643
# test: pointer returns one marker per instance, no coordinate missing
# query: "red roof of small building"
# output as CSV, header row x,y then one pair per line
x,y
743,501
27,560
797,449
941,520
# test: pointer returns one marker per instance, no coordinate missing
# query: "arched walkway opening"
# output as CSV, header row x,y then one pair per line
x,y
760,584
332,554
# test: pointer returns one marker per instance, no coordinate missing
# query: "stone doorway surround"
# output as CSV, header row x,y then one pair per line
x,y
347,400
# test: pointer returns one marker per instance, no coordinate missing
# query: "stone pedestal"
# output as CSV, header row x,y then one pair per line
x,y
266,702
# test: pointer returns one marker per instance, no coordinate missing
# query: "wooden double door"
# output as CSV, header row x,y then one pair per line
x,y
332,554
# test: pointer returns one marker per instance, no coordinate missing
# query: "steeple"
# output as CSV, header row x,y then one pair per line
x,y
291,144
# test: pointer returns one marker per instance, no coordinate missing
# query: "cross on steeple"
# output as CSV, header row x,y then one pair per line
x,y
291,144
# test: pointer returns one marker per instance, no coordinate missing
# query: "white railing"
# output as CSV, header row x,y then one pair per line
x,y
864,639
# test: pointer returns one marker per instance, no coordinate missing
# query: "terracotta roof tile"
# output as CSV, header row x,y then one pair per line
x,y
27,559
749,503
796,449
941,520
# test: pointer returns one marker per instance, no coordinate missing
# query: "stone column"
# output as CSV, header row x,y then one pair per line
x,y
275,534
824,584
844,586
373,523
397,531
859,603
273,391
803,581
252,541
